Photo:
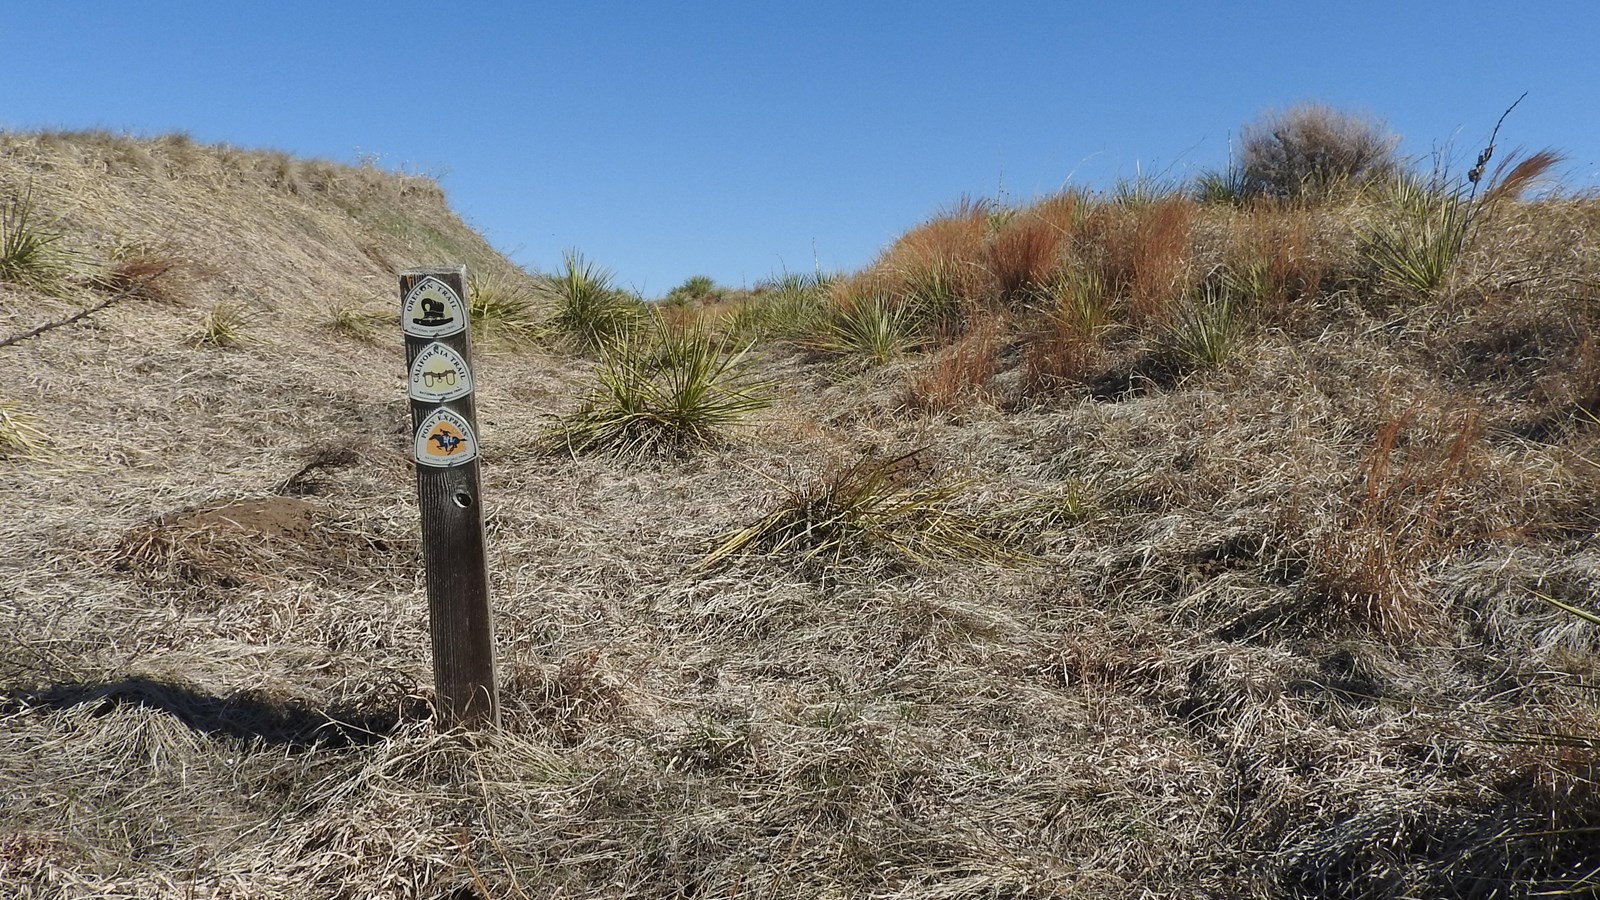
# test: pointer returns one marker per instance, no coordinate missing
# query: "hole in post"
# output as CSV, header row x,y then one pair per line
x,y
463,499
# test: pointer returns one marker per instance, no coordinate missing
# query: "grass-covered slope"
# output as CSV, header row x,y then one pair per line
x,y
1127,545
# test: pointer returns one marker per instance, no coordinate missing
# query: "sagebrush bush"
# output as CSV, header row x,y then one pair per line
x,y
1310,149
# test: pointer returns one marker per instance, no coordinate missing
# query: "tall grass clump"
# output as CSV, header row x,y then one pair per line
x,y
1310,151
31,255
1369,571
1146,254
590,312
1027,251
1079,313
665,389
961,374
895,508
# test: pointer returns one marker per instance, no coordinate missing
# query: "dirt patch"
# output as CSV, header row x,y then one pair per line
x,y
258,541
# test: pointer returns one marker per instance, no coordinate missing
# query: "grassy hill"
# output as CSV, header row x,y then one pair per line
x,y
1179,541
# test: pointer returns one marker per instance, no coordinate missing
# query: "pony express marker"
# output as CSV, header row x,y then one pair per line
x,y
433,316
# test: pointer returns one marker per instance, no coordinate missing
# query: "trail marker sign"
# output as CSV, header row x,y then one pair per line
x,y
444,446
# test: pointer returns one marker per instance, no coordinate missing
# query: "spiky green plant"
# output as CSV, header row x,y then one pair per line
x,y
887,507
1208,327
30,254
675,389
1078,300
353,319
589,310
1221,187
933,297
1415,245
695,289
867,329
501,308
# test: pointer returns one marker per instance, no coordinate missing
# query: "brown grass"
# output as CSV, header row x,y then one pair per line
x,y
1372,572
1027,251
961,375
1281,617
1147,255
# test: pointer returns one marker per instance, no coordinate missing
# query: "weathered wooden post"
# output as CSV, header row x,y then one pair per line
x,y
433,316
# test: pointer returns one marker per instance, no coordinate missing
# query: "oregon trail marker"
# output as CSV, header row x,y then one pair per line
x,y
434,319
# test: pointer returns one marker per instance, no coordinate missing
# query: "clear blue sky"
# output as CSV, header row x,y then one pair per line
x,y
735,139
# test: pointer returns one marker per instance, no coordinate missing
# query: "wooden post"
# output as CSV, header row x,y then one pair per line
x,y
433,316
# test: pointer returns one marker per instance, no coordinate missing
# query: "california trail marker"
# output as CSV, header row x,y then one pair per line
x,y
433,316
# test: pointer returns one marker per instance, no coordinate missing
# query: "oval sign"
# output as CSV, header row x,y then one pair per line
x,y
432,309
444,439
439,374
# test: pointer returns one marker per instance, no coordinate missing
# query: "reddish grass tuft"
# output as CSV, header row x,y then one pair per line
x,y
1147,254
960,375
1371,571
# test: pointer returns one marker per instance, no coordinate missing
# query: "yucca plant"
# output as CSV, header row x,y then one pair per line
x,y
501,309
1207,328
30,254
223,325
695,289
1416,245
1224,187
867,329
885,507
933,297
589,310
672,390
353,319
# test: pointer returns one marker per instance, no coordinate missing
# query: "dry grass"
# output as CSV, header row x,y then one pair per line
x,y
1147,255
961,375
1280,632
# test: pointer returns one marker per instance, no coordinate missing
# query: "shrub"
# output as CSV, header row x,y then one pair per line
x,y
589,311
1311,149
682,390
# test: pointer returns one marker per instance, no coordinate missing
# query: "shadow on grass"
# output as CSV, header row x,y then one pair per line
x,y
247,715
